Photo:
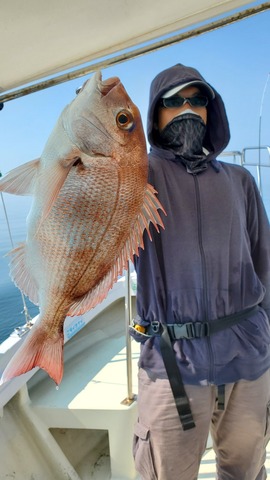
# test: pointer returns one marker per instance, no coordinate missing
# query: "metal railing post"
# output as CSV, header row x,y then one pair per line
x,y
128,318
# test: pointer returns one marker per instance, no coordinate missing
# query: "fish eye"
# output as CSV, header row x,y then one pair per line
x,y
124,120
79,89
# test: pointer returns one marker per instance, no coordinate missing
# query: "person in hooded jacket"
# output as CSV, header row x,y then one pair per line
x,y
203,295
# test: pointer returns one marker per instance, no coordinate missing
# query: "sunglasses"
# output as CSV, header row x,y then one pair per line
x,y
176,101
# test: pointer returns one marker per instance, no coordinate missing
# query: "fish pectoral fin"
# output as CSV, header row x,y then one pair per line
x,y
21,180
21,274
38,350
50,182
148,214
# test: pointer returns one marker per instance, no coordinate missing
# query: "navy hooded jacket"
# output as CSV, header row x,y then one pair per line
x,y
211,260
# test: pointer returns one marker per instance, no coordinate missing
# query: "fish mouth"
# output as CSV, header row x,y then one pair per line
x,y
105,86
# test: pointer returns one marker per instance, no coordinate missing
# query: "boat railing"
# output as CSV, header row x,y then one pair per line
x,y
262,161
252,158
128,320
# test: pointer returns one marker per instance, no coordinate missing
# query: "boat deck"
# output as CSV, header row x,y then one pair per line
x,y
93,407
84,429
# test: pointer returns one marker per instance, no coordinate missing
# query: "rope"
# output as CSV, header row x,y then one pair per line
x,y
25,309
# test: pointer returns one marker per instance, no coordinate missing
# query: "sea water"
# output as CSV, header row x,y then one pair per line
x,y
11,302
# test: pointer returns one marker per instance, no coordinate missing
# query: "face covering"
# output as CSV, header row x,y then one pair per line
x,y
184,136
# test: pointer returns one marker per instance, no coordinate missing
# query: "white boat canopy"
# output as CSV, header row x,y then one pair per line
x,y
41,38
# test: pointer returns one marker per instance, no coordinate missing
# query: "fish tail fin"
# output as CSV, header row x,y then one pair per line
x,y
37,350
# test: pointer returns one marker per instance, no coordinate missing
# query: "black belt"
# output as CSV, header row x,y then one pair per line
x,y
192,330
189,331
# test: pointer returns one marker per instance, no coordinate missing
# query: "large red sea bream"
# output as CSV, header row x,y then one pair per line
x,y
91,204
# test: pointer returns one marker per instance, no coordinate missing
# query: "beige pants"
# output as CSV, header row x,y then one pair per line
x,y
240,432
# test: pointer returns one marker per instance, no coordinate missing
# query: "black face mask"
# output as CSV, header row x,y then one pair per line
x,y
184,136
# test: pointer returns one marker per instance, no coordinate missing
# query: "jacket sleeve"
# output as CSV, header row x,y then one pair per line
x,y
259,233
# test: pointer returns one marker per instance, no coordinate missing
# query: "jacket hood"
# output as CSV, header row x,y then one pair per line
x,y
217,134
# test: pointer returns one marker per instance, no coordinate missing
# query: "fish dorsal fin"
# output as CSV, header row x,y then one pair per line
x,y
148,214
21,180
21,275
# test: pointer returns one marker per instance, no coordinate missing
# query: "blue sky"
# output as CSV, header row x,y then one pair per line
x,y
234,59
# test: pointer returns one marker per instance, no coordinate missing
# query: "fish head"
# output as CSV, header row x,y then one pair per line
x,y
102,121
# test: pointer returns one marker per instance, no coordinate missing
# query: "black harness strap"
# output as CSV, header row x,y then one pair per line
x,y
175,379
221,397
190,330
231,320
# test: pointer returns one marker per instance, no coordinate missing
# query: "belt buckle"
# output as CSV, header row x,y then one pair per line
x,y
201,329
190,330
183,330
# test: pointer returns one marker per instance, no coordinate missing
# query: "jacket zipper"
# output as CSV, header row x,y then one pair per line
x,y
204,275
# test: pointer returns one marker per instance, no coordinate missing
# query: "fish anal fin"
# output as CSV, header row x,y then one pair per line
x,y
21,274
21,180
37,350
148,214
95,296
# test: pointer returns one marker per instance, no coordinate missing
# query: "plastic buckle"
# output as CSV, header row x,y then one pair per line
x,y
201,329
190,330
155,326
187,421
182,330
